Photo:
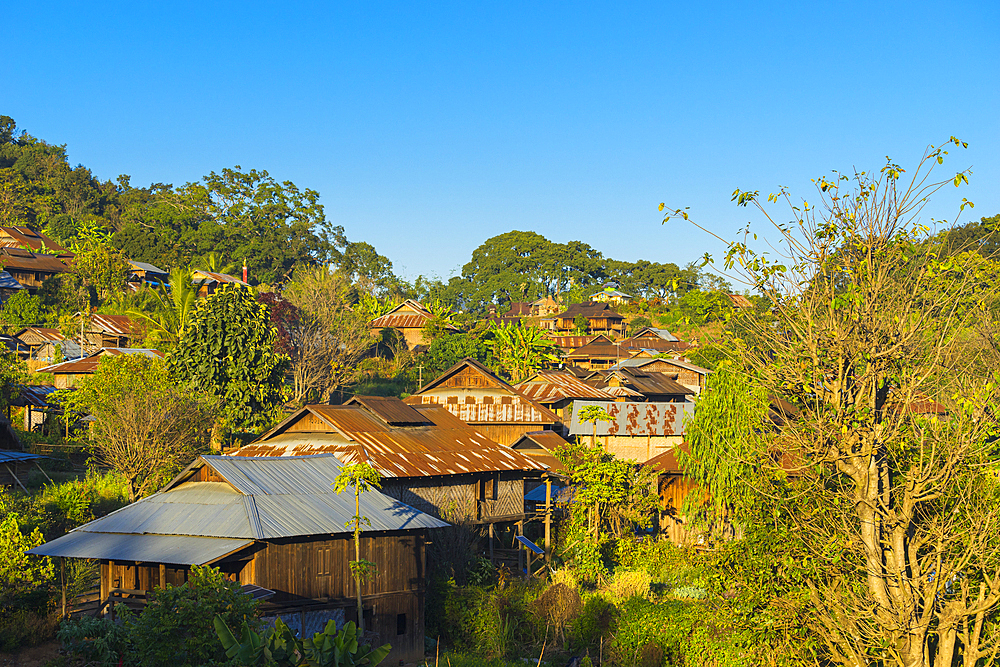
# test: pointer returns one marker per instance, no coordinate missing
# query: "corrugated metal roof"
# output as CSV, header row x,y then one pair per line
x,y
573,342
390,410
17,258
35,395
679,363
198,275
7,456
89,364
7,281
548,440
24,236
36,335
661,334
120,325
171,549
632,419
667,461
259,499
408,315
447,446
148,268
552,386
623,392
590,310
646,383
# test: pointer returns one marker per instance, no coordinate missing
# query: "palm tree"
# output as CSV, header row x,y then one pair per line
x,y
174,309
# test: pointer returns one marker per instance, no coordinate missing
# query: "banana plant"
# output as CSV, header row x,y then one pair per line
x,y
279,647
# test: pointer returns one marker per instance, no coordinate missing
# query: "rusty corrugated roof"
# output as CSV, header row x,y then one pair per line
x,y
89,364
647,383
209,276
556,385
446,446
633,418
390,410
120,325
23,260
22,236
39,335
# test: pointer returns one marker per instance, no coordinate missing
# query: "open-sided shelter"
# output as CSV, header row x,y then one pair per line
x,y
275,523
472,392
427,457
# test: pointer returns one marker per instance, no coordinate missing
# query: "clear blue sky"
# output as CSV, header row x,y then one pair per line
x,y
429,127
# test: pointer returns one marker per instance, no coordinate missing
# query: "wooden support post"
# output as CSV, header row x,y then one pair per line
x,y
491,542
548,519
15,477
105,580
62,577
520,550
163,575
43,471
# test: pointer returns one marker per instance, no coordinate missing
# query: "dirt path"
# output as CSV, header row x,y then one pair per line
x,y
33,656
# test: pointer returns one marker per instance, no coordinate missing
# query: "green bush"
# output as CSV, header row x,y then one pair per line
x,y
177,628
97,641
642,624
594,623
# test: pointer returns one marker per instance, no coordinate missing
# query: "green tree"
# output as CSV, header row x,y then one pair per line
x,y
169,318
13,372
20,310
228,351
361,477
893,549
581,325
145,426
516,350
104,268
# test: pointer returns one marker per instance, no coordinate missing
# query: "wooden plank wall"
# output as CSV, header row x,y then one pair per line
x,y
507,434
673,489
452,496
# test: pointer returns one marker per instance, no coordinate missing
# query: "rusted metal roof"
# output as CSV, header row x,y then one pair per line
x,y
475,395
22,236
666,462
679,363
590,310
623,392
35,395
407,315
646,383
547,440
391,410
557,385
24,260
573,342
89,364
598,349
39,335
208,276
446,446
119,325
632,418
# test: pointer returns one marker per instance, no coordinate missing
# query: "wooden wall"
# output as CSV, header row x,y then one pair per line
x,y
478,496
508,434
673,489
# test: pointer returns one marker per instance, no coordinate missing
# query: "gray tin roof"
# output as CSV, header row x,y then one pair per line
x,y
173,549
260,499
634,418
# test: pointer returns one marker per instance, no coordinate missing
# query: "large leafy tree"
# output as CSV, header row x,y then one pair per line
x,y
873,335
228,351
516,350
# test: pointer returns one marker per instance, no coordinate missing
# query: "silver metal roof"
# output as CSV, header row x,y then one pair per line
x,y
172,549
8,281
260,499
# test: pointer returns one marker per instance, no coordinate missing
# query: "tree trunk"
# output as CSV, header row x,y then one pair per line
x,y
357,559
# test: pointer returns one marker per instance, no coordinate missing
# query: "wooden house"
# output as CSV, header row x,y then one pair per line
x,y
40,341
545,307
688,374
600,318
611,294
144,273
599,354
471,392
651,338
29,239
637,430
274,523
30,269
68,373
409,319
569,343
102,330
427,457
646,385
672,487
207,282
541,446
557,389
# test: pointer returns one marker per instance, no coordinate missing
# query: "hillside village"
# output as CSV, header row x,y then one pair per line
x,y
531,460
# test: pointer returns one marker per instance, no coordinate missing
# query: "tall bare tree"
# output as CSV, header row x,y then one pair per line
x,y
892,497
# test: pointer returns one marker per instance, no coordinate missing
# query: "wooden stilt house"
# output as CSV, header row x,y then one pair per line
x,y
273,523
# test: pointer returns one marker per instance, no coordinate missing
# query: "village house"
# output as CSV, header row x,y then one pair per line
x,y
545,307
68,373
567,344
637,430
102,331
40,341
556,389
611,294
471,392
29,239
409,319
653,339
8,286
600,318
147,274
599,354
644,385
541,446
272,523
690,375
427,457
206,282
30,269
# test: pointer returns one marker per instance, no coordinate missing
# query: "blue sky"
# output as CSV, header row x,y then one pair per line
x,y
429,127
